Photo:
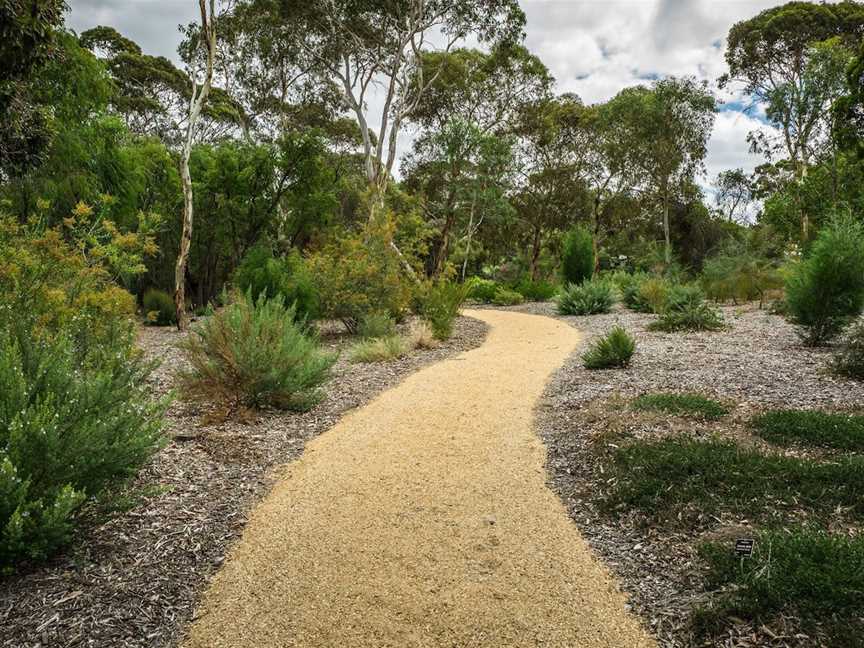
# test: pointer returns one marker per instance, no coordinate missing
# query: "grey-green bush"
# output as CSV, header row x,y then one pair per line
x,y
253,354
825,293
439,306
612,351
577,257
376,325
848,359
592,297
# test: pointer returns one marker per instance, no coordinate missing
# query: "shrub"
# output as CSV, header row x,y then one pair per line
x,y
482,290
538,291
420,336
357,275
811,428
577,257
260,273
592,297
688,405
647,294
159,307
686,310
252,354
815,575
383,349
848,359
674,478
70,429
629,286
376,325
614,350
826,291
506,297
439,306
739,275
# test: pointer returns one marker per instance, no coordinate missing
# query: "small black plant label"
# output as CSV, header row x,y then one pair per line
x,y
744,546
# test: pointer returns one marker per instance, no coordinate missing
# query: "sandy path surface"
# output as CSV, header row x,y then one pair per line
x,y
423,519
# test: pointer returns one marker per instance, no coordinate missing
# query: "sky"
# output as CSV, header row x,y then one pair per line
x,y
593,48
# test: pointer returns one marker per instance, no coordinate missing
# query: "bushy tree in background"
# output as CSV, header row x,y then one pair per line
x,y
577,256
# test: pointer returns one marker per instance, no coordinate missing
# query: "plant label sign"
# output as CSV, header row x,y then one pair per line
x,y
744,546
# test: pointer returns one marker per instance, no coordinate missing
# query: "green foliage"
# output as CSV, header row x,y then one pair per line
x,y
536,291
826,291
677,478
693,406
686,310
848,359
577,256
159,307
507,297
254,354
382,349
814,575
612,351
357,275
439,306
739,275
263,274
811,428
376,325
647,294
482,290
592,297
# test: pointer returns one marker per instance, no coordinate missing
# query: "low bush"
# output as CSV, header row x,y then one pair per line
x,y
261,273
814,575
811,428
383,349
577,257
687,405
159,308
254,354
71,428
482,290
737,274
507,297
376,325
420,336
825,292
673,479
686,310
647,294
537,291
439,306
848,359
612,351
629,285
591,297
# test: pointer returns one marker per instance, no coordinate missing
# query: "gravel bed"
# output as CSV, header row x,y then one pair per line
x,y
758,363
135,580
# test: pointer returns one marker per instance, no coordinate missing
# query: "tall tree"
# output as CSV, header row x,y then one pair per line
x,y
196,103
791,60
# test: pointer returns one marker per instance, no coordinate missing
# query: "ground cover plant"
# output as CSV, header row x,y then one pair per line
x,y
591,297
685,309
613,351
381,349
507,297
811,428
254,354
694,406
848,359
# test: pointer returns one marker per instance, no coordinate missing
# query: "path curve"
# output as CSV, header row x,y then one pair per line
x,y
424,519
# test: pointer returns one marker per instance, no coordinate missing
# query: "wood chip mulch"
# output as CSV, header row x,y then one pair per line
x,y
135,579
759,363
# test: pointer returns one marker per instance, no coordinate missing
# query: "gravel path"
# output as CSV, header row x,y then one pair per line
x,y
424,519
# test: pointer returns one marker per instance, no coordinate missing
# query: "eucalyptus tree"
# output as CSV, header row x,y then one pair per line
x,y
791,59
734,194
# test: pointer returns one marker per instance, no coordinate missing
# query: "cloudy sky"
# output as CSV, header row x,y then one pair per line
x,y
593,47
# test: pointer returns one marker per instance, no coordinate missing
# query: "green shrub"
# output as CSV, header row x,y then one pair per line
x,y
482,290
252,354
813,575
592,297
260,273
825,292
376,325
506,297
612,351
811,428
674,478
383,349
683,297
739,275
628,286
848,359
159,307
71,428
647,294
686,310
439,306
688,405
577,257
537,291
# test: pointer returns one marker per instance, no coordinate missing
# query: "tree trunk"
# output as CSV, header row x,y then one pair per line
x,y
535,253
668,253
595,244
196,103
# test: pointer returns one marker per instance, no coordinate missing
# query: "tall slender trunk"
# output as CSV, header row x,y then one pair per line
x,y
667,234
535,252
595,240
196,103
